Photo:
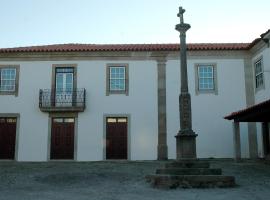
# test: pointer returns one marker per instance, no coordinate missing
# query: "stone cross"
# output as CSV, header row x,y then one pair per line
x,y
180,14
185,138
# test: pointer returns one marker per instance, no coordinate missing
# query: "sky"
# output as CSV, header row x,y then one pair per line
x,y
41,22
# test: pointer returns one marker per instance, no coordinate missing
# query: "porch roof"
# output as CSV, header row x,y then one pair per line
x,y
257,113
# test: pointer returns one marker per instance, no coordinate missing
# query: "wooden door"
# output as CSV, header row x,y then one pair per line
x,y
7,138
116,138
62,138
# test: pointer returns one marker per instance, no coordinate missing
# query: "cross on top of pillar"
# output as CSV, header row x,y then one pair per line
x,y
180,14
182,27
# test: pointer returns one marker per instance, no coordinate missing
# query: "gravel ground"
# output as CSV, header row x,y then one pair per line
x,y
121,180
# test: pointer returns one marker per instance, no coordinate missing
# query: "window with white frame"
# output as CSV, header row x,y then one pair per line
x,y
7,79
206,78
259,82
117,79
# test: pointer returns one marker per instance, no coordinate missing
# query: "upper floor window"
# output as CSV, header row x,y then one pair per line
x,y
117,79
9,80
259,82
206,78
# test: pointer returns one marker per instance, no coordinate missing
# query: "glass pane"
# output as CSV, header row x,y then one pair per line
x,y
122,84
59,81
111,120
122,120
69,78
58,120
69,120
11,120
64,70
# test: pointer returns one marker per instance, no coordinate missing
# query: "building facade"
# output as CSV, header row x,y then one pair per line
x,y
98,102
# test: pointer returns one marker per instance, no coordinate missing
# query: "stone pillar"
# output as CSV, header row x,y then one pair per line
x,y
250,100
185,138
162,149
252,140
236,141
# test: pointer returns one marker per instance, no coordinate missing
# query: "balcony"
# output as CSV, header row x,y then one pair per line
x,y
62,100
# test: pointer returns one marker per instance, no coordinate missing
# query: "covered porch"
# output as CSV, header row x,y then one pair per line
x,y
259,113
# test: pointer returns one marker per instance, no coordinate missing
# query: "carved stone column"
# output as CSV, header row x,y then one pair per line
x,y
162,148
186,138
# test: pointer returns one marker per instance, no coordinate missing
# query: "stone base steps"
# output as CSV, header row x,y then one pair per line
x,y
189,171
188,164
189,174
190,181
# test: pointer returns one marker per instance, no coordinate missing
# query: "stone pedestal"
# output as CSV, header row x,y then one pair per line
x,y
189,173
186,146
162,152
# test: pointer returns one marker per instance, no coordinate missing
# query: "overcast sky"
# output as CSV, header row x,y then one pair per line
x,y
35,22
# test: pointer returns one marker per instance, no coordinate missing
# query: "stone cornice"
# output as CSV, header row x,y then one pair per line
x,y
125,55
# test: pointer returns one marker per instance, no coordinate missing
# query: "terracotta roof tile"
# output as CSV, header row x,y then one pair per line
x,y
125,47
249,109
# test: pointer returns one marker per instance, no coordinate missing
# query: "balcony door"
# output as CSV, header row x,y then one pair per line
x,y
64,86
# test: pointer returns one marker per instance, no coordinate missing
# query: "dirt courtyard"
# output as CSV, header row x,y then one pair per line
x,y
121,180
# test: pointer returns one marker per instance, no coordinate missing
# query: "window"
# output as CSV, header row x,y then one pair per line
x,y
8,76
9,80
206,78
117,79
259,82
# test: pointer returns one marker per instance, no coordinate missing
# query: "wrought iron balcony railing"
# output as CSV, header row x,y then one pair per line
x,y
62,100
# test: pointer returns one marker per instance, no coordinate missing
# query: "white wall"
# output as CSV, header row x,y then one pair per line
x,y
214,133
141,105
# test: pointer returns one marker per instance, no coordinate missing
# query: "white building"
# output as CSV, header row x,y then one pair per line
x,y
95,102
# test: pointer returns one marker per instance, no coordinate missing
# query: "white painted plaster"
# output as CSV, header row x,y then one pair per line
x,y
214,133
141,104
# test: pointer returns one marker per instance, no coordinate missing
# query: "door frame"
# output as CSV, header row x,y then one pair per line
x,y
62,115
17,116
128,116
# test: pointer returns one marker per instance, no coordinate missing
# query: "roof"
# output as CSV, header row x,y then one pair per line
x,y
264,34
125,47
257,113
73,47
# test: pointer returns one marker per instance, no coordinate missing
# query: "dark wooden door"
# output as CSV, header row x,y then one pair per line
x,y
7,138
62,138
116,138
